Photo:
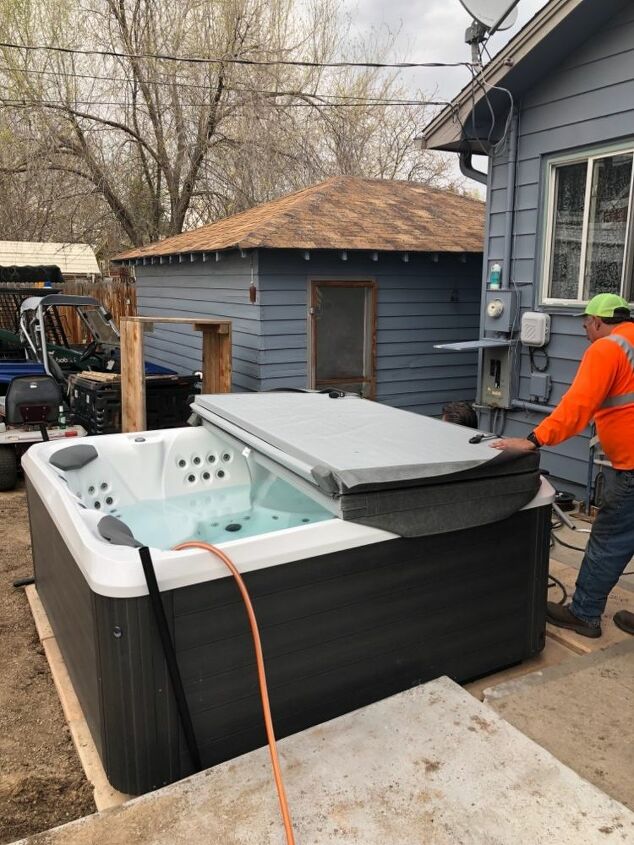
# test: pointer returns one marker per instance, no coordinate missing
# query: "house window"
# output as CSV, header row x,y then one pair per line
x,y
590,238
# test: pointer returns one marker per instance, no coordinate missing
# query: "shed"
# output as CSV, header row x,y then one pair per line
x,y
74,260
348,283
554,113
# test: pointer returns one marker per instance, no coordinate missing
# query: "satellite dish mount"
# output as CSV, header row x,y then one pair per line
x,y
489,16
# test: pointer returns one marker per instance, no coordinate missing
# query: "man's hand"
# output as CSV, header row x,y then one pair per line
x,y
514,444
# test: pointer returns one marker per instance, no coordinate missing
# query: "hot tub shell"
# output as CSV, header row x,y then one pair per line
x,y
349,613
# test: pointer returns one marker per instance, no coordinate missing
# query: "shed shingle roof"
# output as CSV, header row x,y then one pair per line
x,y
342,213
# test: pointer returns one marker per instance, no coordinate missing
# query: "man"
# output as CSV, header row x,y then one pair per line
x,y
603,389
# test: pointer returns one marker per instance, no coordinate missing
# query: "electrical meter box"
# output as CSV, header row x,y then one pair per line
x,y
500,312
535,329
496,383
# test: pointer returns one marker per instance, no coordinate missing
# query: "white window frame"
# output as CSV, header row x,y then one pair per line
x,y
589,156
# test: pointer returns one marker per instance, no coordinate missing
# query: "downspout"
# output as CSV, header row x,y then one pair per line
x,y
510,202
469,171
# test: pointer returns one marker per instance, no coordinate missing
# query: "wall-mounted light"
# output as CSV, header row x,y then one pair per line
x,y
306,255
405,257
374,256
344,255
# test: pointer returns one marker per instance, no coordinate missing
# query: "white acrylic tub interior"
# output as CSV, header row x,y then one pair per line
x,y
178,484
189,483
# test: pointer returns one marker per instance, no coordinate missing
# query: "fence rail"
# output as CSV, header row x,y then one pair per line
x,y
118,296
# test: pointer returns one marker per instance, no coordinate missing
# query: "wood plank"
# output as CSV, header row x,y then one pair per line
x,y
133,412
42,626
203,321
216,360
104,794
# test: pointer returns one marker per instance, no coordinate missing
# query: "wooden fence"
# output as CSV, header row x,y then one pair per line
x,y
117,295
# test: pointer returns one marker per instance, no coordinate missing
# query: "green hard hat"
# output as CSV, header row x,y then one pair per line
x,y
604,305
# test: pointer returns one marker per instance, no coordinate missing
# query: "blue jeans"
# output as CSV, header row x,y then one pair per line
x,y
610,547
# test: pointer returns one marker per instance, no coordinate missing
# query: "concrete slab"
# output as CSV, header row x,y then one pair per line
x,y
581,712
432,765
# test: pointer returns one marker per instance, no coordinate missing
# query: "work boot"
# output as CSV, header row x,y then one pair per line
x,y
624,620
562,617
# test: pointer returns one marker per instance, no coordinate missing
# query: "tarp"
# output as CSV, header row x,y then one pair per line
x,y
10,369
13,275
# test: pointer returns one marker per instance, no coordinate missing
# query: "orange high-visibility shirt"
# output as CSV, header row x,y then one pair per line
x,y
605,372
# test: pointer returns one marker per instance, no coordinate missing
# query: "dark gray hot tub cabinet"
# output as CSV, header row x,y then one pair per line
x,y
339,631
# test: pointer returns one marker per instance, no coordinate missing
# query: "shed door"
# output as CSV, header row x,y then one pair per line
x,y
342,346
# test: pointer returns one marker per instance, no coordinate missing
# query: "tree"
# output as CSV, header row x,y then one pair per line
x,y
156,144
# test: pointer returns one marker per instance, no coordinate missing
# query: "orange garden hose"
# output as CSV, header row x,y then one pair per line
x,y
266,708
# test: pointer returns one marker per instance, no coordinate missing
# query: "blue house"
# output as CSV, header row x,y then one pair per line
x,y
349,283
554,113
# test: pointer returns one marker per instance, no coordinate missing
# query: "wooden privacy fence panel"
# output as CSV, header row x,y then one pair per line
x,y
118,296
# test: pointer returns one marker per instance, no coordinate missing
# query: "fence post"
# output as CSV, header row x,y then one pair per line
x,y
133,414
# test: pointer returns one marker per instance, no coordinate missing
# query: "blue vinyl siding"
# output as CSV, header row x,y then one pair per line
x,y
202,289
587,101
414,311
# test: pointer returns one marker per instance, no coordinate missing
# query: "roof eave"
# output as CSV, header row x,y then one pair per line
x,y
445,130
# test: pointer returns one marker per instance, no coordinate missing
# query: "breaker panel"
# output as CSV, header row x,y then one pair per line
x,y
497,383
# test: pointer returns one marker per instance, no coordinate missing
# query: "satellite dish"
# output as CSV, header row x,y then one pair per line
x,y
489,12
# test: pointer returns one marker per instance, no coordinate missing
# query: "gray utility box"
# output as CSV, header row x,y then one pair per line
x,y
500,312
540,386
497,386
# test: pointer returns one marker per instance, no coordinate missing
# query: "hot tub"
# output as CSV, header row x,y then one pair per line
x,y
381,549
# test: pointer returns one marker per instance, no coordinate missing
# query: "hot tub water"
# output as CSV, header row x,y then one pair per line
x,y
217,516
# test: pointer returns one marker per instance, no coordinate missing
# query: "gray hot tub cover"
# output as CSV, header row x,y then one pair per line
x,y
380,466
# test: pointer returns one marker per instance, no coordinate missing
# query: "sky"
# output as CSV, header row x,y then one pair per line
x,y
431,30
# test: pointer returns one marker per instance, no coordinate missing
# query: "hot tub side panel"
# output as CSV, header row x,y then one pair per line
x,y
115,663
68,602
343,630
339,631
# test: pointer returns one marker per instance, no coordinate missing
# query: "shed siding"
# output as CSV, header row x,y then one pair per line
x,y
588,101
202,289
414,312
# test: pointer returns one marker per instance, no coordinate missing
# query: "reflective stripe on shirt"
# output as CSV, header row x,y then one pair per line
x,y
623,398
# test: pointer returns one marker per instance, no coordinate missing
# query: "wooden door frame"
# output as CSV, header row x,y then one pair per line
x,y
370,330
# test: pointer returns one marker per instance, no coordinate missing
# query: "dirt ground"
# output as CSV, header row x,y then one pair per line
x,y
42,783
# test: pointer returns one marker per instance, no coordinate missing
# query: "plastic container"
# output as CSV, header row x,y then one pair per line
x,y
96,405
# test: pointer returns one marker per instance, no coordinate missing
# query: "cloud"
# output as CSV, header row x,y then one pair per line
x,y
430,30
